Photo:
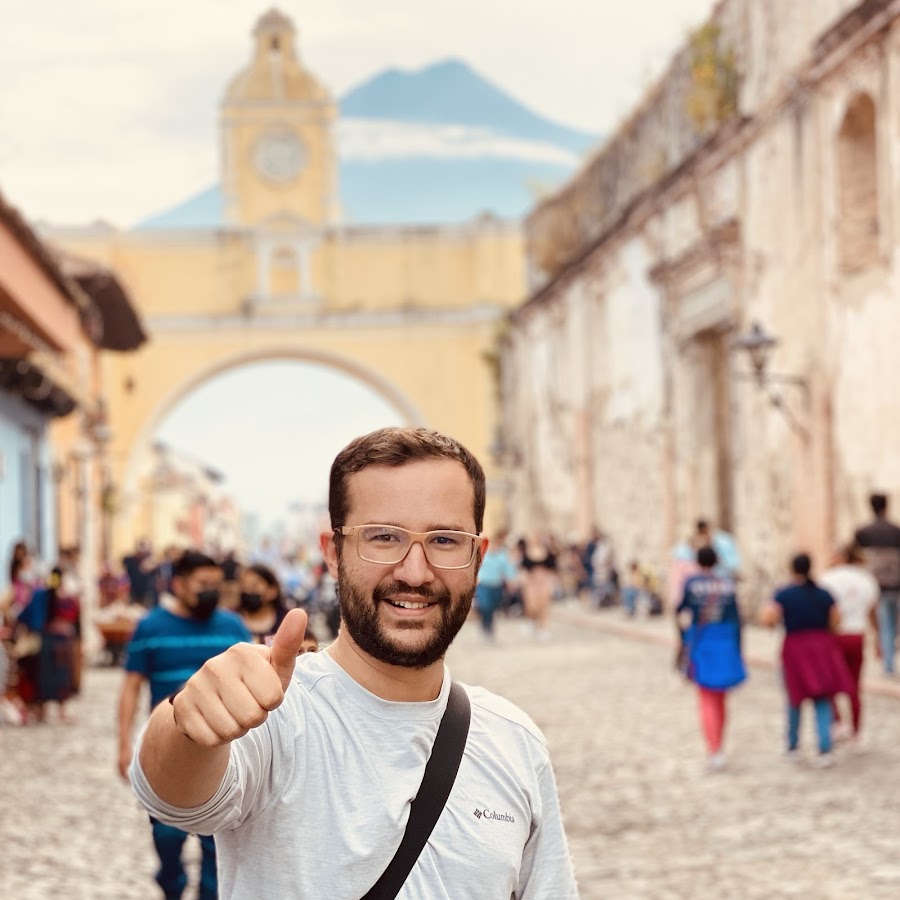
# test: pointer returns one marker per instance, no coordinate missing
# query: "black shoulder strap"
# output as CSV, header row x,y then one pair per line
x,y
426,808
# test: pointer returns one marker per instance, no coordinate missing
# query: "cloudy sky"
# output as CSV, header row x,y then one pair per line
x,y
108,107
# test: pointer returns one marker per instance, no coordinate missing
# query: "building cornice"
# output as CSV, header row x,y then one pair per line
x,y
340,232
332,320
849,35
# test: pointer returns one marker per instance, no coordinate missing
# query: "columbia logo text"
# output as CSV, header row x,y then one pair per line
x,y
493,814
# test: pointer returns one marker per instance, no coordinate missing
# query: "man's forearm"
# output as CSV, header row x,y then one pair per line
x,y
181,772
128,701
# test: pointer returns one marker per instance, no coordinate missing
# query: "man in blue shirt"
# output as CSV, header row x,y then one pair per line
x,y
169,645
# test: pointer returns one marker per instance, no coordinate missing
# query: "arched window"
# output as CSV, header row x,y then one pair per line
x,y
857,170
284,273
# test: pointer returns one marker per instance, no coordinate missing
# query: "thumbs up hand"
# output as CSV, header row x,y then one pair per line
x,y
236,690
286,645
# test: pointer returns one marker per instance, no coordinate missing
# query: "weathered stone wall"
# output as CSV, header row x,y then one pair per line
x,y
733,67
778,205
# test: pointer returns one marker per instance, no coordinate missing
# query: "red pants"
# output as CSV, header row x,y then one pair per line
x,y
852,648
712,717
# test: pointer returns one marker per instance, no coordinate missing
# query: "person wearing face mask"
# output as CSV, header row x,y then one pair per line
x,y
261,603
170,644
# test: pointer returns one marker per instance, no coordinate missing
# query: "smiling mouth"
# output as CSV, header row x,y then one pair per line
x,y
410,604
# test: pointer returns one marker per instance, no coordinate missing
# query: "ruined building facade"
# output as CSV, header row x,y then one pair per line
x,y
758,182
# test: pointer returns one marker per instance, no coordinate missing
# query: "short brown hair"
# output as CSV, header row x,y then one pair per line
x,y
395,447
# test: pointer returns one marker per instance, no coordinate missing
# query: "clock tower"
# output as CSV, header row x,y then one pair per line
x,y
278,158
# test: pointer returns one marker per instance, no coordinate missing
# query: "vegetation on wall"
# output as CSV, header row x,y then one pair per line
x,y
556,237
712,97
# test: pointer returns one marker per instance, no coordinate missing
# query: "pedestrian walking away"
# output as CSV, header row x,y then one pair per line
x,y
880,543
496,572
539,567
813,666
306,769
711,633
856,594
170,644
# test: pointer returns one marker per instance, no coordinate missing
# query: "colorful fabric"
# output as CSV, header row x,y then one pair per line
x,y
709,598
814,666
56,668
34,615
853,650
714,654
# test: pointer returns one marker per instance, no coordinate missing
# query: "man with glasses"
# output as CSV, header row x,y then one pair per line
x,y
277,756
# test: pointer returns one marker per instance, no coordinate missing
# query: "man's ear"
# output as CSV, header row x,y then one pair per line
x,y
485,542
479,555
329,552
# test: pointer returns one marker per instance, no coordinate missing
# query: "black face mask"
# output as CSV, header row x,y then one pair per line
x,y
251,603
205,605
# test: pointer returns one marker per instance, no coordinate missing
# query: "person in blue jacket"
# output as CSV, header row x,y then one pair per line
x,y
711,632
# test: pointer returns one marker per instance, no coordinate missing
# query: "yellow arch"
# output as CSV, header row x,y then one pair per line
x,y
388,391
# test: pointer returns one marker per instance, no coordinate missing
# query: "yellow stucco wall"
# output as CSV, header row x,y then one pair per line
x,y
445,291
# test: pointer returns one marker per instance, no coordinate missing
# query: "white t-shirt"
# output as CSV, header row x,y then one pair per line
x,y
315,801
855,592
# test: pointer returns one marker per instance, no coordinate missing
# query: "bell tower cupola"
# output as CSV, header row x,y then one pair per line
x,y
277,149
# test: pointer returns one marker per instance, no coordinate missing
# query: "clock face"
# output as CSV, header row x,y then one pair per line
x,y
279,156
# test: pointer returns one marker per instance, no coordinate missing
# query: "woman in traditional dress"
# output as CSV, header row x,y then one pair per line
x,y
58,669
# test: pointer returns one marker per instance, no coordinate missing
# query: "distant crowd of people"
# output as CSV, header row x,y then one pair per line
x,y
41,627
826,618
523,577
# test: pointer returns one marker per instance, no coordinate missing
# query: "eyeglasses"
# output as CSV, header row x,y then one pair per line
x,y
388,545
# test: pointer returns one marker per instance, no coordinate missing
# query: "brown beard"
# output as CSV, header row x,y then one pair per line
x,y
360,615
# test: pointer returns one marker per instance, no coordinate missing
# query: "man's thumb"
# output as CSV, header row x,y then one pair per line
x,y
286,645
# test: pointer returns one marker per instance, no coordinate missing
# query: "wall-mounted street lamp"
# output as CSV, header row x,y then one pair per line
x,y
758,344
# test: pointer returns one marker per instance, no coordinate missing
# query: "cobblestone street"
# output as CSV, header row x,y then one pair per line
x,y
644,820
